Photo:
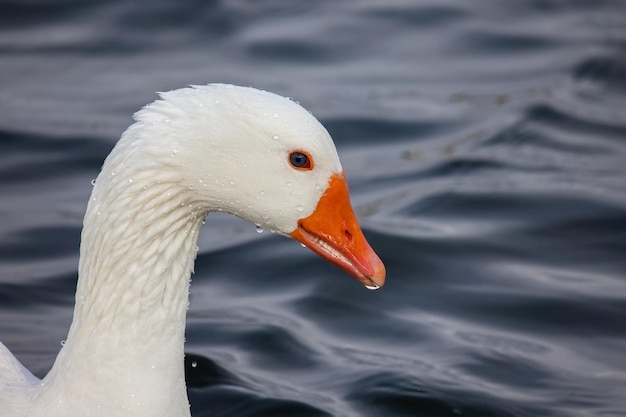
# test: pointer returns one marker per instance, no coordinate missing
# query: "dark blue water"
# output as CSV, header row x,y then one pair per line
x,y
485,145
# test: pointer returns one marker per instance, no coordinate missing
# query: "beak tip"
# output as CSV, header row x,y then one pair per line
x,y
376,279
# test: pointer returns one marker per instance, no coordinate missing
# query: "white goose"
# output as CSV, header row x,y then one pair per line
x,y
218,147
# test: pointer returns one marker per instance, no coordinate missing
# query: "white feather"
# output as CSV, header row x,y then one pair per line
x,y
196,150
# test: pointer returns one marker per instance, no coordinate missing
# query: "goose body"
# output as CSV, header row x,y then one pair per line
x,y
218,147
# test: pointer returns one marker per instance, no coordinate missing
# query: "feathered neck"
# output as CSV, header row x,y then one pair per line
x,y
137,251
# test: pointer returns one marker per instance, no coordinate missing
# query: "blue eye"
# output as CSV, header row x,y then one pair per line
x,y
300,160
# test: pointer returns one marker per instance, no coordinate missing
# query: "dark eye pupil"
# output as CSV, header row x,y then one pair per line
x,y
298,159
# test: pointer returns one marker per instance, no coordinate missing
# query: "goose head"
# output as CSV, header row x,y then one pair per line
x,y
259,156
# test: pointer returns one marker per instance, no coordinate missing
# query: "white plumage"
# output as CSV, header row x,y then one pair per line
x,y
196,150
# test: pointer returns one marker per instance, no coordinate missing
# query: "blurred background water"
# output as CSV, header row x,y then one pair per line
x,y
485,145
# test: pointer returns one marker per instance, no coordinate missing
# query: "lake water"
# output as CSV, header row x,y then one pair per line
x,y
485,145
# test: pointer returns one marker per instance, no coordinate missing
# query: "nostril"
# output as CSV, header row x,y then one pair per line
x,y
347,234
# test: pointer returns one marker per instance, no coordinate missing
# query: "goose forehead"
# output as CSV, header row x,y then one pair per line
x,y
255,114
243,103
242,98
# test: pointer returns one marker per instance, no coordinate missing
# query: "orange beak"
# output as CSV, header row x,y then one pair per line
x,y
333,232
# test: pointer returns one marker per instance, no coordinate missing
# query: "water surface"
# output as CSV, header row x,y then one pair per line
x,y
485,145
